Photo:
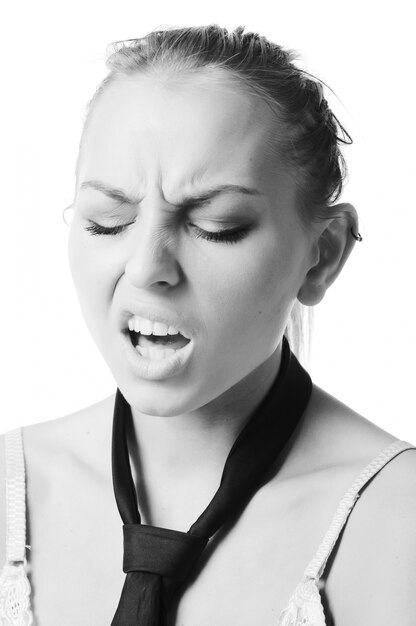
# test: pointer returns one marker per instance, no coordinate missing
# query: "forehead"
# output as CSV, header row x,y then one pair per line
x,y
144,128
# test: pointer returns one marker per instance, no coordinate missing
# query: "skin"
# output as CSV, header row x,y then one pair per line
x,y
156,138
164,141
159,139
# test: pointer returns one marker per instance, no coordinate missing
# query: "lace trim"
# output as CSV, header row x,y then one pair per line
x,y
304,607
15,596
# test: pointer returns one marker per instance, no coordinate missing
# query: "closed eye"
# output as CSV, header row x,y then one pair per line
x,y
98,229
228,235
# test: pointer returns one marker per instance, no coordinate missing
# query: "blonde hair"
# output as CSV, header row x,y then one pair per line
x,y
298,331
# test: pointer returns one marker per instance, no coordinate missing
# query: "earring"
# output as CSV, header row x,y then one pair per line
x,y
67,214
356,236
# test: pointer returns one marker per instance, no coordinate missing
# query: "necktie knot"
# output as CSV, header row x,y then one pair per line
x,y
169,553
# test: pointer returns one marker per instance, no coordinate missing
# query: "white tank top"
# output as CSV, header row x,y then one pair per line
x,y
304,607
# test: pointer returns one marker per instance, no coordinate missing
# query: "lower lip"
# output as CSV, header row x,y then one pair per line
x,y
151,369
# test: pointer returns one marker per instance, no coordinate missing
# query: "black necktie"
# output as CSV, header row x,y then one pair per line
x,y
157,561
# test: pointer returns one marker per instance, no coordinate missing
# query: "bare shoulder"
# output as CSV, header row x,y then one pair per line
x,y
79,435
335,438
371,574
51,448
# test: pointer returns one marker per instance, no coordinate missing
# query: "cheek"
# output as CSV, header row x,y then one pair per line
x,y
248,292
94,273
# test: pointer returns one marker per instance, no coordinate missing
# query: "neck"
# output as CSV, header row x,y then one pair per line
x,y
178,461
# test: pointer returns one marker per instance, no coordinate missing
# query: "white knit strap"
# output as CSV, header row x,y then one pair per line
x,y
316,566
15,497
15,587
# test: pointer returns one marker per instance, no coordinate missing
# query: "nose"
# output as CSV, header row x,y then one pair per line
x,y
152,260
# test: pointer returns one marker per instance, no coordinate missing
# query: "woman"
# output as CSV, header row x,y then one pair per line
x,y
203,218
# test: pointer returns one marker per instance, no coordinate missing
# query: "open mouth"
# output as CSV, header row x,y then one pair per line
x,y
157,346
155,340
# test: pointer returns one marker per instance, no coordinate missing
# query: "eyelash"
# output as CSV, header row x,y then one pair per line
x,y
97,229
231,235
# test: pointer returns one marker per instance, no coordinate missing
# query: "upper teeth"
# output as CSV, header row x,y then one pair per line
x,y
147,327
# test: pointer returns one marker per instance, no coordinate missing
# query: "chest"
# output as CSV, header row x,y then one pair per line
x,y
246,575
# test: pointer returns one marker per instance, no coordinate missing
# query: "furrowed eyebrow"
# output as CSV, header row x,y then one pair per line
x,y
203,198
187,202
112,192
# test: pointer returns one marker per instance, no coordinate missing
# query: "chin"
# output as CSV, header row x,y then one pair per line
x,y
159,400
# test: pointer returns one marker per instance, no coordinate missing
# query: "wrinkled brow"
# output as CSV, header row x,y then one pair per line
x,y
192,200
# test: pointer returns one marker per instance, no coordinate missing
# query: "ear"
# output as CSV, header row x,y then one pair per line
x,y
333,248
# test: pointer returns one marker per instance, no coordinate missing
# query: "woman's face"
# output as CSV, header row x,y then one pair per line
x,y
155,238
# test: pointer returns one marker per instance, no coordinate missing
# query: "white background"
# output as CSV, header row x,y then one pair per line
x,y
52,58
